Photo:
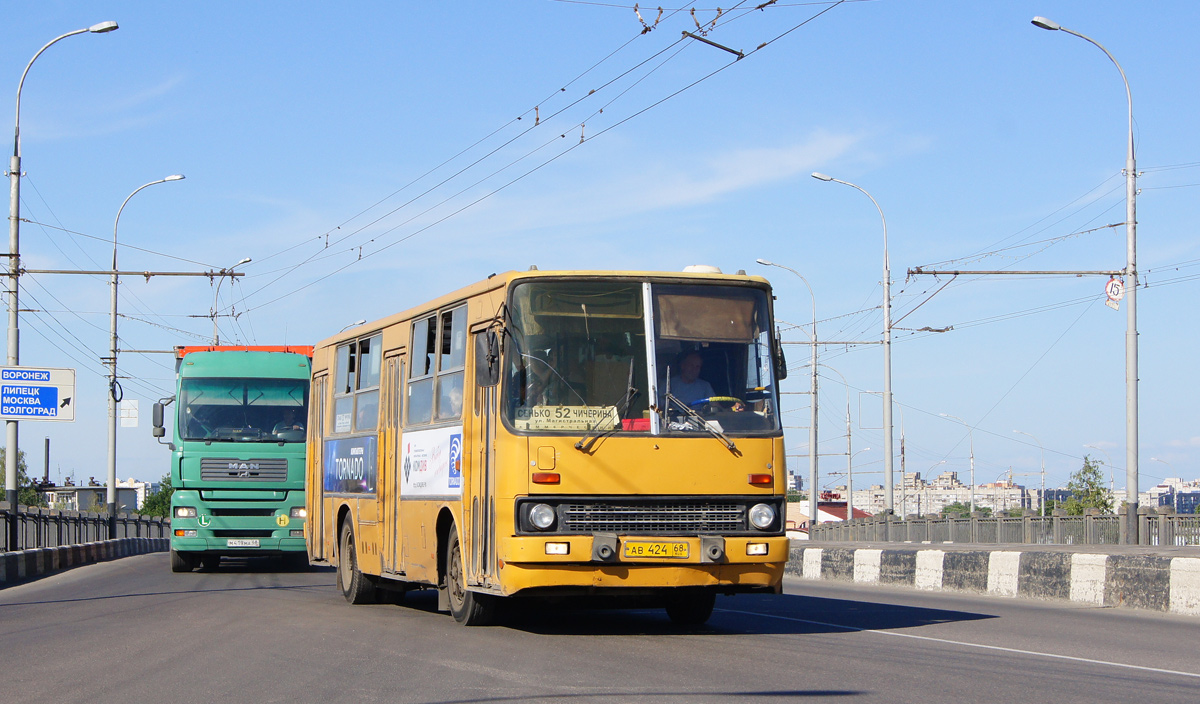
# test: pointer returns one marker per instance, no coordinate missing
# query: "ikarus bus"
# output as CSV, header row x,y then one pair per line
x,y
555,433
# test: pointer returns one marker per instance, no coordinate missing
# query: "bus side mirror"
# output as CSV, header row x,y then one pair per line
x,y
487,358
780,361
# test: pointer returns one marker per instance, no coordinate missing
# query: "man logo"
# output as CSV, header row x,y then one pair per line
x,y
243,470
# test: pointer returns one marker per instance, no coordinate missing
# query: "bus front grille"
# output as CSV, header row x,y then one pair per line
x,y
273,469
660,517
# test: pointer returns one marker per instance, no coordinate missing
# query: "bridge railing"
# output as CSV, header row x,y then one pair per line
x,y
1155,528
35,527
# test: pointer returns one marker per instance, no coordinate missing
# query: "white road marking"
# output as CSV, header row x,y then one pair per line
x,y
970,645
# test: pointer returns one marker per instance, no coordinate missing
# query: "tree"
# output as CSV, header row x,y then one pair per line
x,y
960,510
159,503
1087,490
26,493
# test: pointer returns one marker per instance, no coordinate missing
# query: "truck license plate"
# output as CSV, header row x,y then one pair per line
x,y
242,543
672,549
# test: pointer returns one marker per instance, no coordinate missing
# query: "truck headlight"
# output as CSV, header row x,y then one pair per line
x,y
541,516
185,512
762,516
299,512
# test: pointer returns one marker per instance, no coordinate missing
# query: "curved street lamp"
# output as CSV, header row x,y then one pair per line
x,y
1131,342
887,345
114,387
14,269
812,429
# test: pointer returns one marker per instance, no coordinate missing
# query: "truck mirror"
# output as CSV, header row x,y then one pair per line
x,y
157,417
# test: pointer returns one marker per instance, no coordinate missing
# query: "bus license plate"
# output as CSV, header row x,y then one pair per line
x,y
242,543
672,550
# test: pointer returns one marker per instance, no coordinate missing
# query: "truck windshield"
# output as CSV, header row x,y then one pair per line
x,y
243,410
576,358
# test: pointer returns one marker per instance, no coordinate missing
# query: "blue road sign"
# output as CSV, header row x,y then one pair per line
x,y
28,393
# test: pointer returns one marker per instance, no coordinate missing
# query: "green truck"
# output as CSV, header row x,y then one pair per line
x,y
237,454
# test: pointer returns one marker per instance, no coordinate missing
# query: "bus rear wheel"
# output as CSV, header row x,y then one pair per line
x,y
182,561
691,607
468,608
355,585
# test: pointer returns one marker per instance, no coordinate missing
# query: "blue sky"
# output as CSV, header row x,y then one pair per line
x,y
390,132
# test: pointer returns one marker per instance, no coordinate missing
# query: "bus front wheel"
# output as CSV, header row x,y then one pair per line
x,y
355,585
689,607
469,608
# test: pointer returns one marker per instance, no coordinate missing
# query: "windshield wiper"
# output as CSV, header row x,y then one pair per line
x,y
585,443
696,417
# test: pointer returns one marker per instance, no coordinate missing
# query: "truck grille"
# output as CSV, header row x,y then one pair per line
x,y
659,517
231,469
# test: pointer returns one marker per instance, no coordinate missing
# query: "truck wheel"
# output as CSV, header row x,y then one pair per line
x,y
688,607
182,561
469,608
355,585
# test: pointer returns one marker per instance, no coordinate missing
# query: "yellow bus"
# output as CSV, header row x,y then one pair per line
x,y
554,433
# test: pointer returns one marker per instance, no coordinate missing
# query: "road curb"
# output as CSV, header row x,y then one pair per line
x,y
24,564
1154,582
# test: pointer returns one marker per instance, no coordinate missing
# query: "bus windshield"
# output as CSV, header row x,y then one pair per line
x,y
243,410
577,358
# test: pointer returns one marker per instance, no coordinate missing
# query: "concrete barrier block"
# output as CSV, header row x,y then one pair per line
x,y
1004,569
866,565
1088,574
838,564
898,567
1045,575
966,571
929,569
1185,585
1138,581
812,563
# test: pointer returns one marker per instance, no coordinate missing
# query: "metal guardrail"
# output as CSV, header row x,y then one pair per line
x,y
36,527
1155,529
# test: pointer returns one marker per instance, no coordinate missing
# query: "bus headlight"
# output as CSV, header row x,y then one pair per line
x,y
299,512
762,516
185,512
541,516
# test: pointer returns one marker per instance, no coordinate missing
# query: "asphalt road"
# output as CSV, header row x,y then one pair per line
x,y
131,630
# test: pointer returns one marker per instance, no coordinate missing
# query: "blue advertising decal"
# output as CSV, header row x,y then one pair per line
x,y
351,465
455,461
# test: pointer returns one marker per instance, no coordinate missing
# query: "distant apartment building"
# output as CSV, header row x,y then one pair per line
x,y
93,496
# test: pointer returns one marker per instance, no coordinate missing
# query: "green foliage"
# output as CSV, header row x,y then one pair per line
x,y
1087,490
1051,505
26,494
960,510
159,503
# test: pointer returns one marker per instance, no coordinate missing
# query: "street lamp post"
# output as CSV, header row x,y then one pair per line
x,y
1042,498
14,272
812,429
971,434
113,385
887,346
221,274
1131,342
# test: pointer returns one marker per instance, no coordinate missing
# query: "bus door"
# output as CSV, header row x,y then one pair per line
x,y
316,477
389,437
482,536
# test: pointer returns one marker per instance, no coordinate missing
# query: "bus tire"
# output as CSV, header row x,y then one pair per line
x,y
690,607
468,608
355,585
182,561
